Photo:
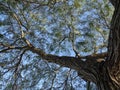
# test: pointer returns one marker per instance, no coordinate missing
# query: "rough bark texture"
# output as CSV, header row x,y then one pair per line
x,y
110,74
105,74
87,69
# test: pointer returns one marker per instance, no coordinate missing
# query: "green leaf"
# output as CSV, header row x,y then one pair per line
x,y
91,25
77,4
1,36
58,34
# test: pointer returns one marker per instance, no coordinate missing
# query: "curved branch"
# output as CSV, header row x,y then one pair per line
x,y
73,62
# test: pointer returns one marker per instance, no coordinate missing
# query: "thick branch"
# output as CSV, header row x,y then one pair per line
x,y
61,60
72,62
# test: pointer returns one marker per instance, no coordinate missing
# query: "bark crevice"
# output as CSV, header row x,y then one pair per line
x,y
113,59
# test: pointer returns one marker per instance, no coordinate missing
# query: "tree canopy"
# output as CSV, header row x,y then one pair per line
x,y
66,33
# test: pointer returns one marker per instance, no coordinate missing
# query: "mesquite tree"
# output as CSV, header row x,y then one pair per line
x,y
34,27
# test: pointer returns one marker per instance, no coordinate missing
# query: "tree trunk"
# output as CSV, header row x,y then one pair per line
x,y
104,80
109,77
105,74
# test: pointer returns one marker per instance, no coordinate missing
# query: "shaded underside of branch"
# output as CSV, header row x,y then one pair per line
x,y
87,69
85,65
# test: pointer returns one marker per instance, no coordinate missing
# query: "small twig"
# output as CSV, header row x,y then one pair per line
x,y
12,47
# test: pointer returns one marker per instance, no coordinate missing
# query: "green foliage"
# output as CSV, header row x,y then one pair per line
x,y
76,3
9,86
55,26
1,36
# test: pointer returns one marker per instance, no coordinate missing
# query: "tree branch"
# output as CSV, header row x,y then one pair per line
x,y
73,62
12,47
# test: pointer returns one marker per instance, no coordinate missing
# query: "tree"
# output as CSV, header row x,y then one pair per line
x,y
28,31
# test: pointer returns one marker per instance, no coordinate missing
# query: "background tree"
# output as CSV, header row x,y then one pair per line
x,y
72,34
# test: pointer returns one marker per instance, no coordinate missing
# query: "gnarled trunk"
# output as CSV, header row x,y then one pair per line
x,y
109,77
104,80
105,74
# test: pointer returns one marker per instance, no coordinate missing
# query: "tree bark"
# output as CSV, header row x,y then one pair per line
x,y
110,74
89,70
86,66
105,74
